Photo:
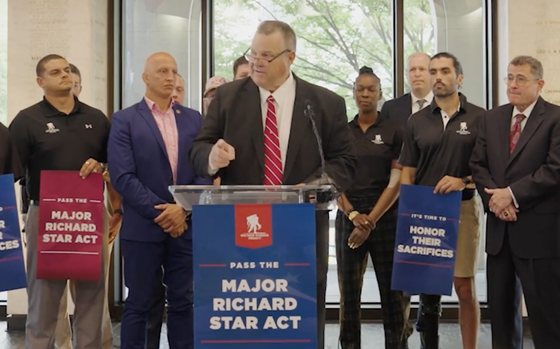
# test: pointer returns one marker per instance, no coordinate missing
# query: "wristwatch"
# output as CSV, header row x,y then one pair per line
x,y
466,181
117,211
352,214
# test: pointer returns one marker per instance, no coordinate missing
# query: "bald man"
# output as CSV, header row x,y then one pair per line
x,y
148,152
420,95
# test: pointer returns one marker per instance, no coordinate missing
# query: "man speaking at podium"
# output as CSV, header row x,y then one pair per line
x,y
259,131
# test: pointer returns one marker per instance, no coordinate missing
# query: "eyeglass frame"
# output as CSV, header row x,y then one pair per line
x,y
250,58
516,78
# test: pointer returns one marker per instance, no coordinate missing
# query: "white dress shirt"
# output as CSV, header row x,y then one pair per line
x,y
284,99
527,112
415,106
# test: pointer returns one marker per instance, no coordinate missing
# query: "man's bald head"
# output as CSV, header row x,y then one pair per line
x,y
418,74
159,75
419,55
157,58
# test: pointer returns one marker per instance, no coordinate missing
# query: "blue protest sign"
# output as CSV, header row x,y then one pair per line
x,y
254,276
12,267
426,241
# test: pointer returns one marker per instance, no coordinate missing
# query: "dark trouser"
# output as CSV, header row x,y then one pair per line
x,y
322,267
351,265
506,275
429,312
143,263
155,321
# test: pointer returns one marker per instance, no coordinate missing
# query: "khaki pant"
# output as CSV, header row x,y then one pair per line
x,y
468,238
44,299
63,332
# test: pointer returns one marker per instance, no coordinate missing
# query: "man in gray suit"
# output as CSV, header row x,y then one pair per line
x,y
268,137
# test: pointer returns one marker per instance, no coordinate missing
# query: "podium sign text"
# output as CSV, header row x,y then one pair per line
x,y
254,276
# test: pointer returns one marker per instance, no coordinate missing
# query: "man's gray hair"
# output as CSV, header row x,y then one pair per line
x,y
271,27
535,64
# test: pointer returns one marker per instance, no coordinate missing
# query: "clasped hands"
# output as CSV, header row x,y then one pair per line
x,y
501,204
363,227
173,219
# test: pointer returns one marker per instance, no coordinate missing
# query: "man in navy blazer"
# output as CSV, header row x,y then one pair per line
x,y
148,151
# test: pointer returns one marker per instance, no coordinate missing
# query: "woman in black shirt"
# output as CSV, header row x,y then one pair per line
x,y
367,219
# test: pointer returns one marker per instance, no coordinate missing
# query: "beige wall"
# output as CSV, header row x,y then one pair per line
x,y
531,28
75,29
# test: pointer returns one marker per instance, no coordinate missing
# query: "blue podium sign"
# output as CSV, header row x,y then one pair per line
x,y
12,267
426,241
254,276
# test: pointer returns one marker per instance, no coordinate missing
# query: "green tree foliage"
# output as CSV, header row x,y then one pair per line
x,y
335,37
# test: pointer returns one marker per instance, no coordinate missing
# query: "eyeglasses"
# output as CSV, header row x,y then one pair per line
x,y
519,80
266,58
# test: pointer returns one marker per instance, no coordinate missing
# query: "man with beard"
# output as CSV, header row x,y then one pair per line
x,y
437,147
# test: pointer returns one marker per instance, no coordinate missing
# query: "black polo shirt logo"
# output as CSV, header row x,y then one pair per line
x,y
463,129
90,126
51,128
377,140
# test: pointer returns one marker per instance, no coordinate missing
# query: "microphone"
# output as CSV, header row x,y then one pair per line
x,y
324,179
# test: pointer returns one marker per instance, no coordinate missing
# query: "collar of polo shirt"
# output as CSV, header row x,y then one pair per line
x,y
49,110
434,108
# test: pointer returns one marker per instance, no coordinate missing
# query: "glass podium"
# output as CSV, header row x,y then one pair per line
x,y
245,239
188,196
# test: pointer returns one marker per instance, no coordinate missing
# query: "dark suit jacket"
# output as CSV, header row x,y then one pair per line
x,y
398,109
235,115
532,171
140,170
9,158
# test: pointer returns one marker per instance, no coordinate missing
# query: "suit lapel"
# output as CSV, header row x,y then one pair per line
x,y
408,104
298,129
253,112
504,128
147,115
182,133
533,123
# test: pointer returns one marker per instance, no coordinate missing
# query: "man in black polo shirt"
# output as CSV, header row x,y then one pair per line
x,y
437,147
9,159
59,133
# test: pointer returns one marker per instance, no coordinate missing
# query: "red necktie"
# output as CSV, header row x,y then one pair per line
x,y
515,131
272,156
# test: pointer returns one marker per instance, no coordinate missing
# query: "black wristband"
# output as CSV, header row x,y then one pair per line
x,y
117,211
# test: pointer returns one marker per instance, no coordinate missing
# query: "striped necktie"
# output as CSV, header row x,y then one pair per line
x,y
272,156
515,132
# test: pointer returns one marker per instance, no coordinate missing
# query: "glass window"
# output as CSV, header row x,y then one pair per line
x,y
168,26
335,38
454,26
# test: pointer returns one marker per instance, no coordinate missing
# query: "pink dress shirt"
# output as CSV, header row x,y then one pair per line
x,y
167,126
